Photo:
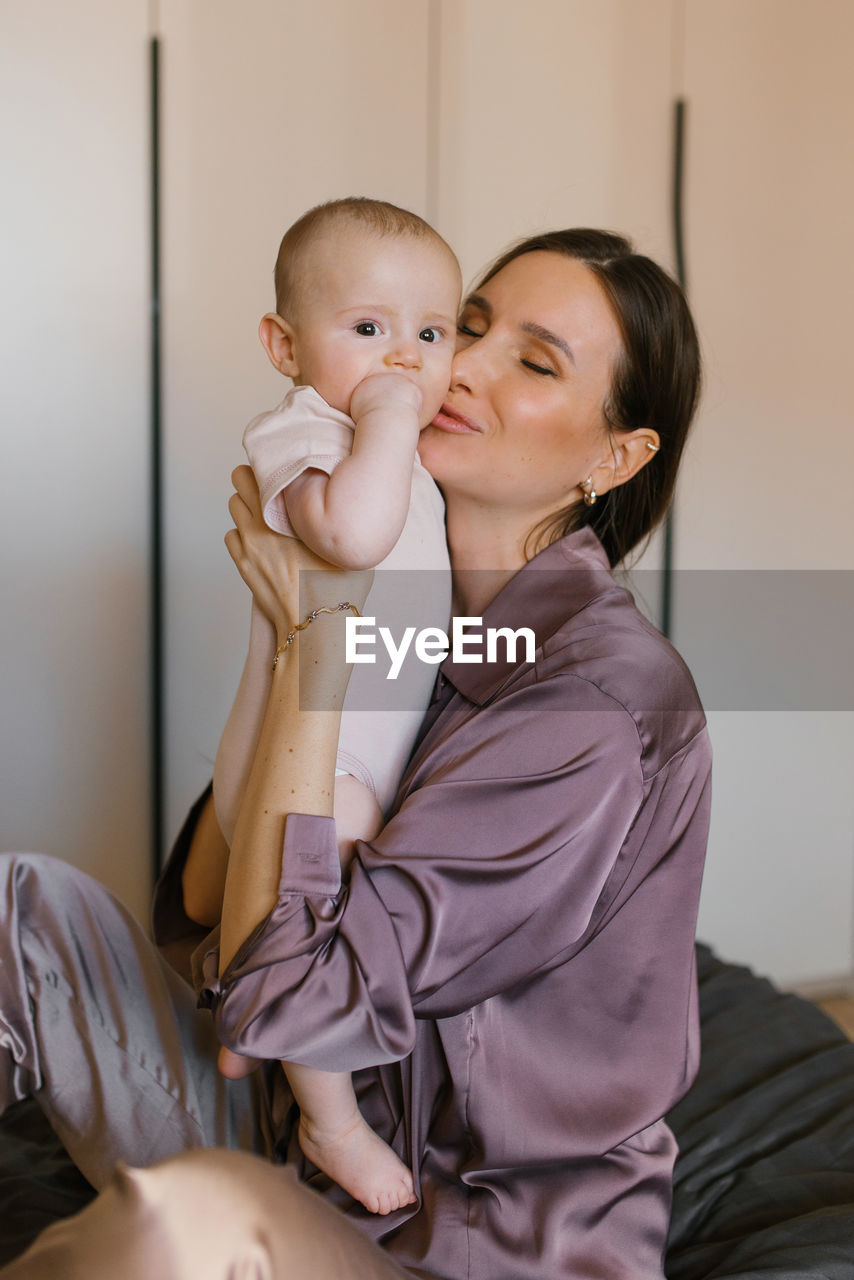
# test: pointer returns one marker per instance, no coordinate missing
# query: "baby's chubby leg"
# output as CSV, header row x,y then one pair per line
x,y
357,817
332,1132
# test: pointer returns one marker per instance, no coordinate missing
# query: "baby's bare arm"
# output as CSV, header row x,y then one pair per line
x,y
354,517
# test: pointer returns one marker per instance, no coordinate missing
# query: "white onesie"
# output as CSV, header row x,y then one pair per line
x,y
412,587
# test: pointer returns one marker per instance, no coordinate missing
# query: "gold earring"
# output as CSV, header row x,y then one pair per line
x,y
590,494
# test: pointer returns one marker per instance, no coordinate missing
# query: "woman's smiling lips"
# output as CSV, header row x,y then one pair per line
x,y
449,419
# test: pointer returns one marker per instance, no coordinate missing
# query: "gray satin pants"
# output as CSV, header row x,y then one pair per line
x,y
103,1033
106,1036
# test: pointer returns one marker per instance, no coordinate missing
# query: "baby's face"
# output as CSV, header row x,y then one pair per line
x,y
372,304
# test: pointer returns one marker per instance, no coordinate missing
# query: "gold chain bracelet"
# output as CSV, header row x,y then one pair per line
x,y
307,621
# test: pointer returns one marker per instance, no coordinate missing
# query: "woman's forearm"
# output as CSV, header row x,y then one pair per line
x,y
293,772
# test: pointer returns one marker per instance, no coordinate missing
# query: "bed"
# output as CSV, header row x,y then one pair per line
x,y
764,1184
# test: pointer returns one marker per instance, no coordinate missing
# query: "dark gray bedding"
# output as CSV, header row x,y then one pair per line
x,y
764,1184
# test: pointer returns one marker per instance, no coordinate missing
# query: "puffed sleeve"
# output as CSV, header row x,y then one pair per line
x,y
303,433
495,865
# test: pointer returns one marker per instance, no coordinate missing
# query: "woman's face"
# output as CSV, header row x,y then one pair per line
x,y
523,424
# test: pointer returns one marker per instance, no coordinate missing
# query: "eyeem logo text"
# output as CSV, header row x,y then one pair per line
x,y
432,644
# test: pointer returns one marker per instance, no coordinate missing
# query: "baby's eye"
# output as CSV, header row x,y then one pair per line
x,y
431,335
368,329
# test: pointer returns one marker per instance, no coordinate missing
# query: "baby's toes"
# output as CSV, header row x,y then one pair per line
x,y
385,1202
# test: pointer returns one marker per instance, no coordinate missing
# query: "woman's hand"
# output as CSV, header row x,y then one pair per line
x,y
271,564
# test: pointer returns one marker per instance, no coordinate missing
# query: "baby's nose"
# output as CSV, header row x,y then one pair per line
x,y
404,354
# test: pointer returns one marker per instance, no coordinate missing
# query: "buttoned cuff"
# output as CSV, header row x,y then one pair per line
x,y
310,862
310,869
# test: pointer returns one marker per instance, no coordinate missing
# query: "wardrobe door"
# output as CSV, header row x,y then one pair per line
x,y
765,518
267,109
74,623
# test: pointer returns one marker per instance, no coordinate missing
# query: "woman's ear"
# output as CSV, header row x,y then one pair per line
x,y
630,451
277,339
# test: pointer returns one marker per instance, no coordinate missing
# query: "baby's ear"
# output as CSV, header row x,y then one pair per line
x,y
277,338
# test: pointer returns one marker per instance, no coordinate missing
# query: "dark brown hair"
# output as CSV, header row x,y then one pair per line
x,y
656,383
377,216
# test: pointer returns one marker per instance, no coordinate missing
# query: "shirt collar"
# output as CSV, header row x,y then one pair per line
x,y
551,588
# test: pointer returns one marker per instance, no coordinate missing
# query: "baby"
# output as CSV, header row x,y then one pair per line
x,y
366,297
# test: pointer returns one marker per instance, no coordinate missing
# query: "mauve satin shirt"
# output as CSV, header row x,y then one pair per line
x,y
509,969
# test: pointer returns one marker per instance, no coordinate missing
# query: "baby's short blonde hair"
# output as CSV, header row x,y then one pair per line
x,y
377,216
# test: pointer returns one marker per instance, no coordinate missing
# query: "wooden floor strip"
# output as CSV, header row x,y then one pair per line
x,y
841,1010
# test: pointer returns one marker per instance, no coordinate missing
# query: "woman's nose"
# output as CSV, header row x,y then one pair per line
x,y
462,370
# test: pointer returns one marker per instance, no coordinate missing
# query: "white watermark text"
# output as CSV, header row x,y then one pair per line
x,y
467,643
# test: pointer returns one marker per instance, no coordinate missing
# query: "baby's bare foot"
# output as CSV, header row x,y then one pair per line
x,y
361,1163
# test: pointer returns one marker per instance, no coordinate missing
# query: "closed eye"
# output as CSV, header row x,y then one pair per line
x,y
467,332
539,368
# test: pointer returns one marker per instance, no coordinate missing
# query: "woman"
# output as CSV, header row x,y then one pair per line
x,y
515,949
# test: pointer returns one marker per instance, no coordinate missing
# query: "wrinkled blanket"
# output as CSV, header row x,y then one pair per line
x,y
764,1184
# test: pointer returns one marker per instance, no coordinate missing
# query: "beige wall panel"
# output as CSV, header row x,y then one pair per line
x,y
74,623
268,109
777,892
770,189
554,114
769,199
